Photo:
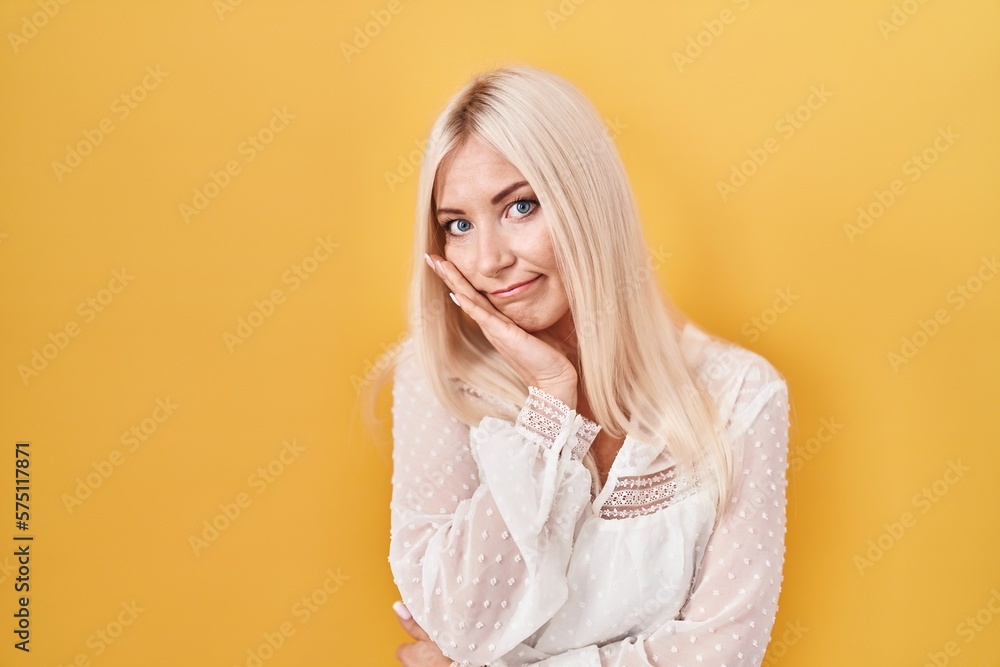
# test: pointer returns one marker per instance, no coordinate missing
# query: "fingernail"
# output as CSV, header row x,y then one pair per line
x,y
427,258
455,299
401,610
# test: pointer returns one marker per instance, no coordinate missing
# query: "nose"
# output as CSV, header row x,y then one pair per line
x,y
493,252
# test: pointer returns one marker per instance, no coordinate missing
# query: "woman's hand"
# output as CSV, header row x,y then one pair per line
x,y
536,357
421,653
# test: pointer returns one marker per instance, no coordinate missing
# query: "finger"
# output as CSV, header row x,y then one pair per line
x,y
452,277
487,319
404,653
501,331
421,654
459,284
483,304
406,620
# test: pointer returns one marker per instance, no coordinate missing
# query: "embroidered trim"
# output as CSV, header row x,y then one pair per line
x,y
639,495
543,417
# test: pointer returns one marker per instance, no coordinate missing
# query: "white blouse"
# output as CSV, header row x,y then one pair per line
x,y
503,555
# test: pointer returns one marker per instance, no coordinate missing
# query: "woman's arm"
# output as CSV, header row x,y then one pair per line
x,y
482,528
728,618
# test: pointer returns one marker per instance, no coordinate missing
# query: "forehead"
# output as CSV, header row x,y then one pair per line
x,y
472,171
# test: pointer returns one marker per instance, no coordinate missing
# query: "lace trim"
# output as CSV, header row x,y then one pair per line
x,y
542,419
645,494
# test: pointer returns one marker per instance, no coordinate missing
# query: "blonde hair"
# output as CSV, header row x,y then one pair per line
x,y
632,368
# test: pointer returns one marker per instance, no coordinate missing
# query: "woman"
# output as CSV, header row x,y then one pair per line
x,y
581,476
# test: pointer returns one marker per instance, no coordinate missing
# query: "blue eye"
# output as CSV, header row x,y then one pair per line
x,y
519,209
463,226
523,207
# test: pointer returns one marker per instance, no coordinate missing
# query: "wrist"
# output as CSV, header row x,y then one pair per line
x,y
564,392
545,416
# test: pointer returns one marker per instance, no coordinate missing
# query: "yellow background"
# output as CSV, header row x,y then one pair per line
x,y
351,120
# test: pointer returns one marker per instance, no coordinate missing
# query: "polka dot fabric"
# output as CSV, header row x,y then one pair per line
x,y
502,555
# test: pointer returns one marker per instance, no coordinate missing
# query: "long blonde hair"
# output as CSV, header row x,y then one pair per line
x,y
632,368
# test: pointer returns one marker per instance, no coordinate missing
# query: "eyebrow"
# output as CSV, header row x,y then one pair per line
x,y
496,198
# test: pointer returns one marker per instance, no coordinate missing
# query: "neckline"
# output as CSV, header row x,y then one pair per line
x,y
607,476
626,452
609,485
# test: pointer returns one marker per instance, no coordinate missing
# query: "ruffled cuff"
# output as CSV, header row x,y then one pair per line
x,y
544,417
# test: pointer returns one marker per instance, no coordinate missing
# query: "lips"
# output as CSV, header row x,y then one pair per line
x,y
517,288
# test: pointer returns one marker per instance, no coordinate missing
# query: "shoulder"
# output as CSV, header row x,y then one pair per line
x,y
409,365
407,369
740,381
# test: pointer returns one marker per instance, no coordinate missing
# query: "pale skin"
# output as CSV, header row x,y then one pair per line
x,y
494,242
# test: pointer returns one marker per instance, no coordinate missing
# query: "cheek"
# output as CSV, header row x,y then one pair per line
x,y
537,247
460,257
557,292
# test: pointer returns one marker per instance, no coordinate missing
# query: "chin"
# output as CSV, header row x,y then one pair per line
x,y
532,315
528,322
530,327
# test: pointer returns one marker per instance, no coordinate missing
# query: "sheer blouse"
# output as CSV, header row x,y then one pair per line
x,y
505,556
